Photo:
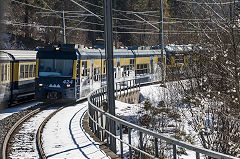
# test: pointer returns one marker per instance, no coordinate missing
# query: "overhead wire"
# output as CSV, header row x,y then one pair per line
x,y
55,11
86,9
50,7
22,3
116,10
208,3
123,27
91,30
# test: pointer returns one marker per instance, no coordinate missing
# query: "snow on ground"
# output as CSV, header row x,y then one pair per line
x,y
9,111
155,93
129,112
25,141
64,136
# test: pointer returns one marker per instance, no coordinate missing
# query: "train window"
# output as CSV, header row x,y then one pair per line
x,y
8,72
78,69
2,72
5,73
30,71
132,61
168,59
104,66
21,71
34,70
26,71
118,62
159,61
96,73
142,68
84,68
179,59
55,67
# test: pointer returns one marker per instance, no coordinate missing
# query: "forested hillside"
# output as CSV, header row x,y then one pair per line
x,y
41,20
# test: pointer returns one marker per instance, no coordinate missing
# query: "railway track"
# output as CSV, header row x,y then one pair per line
x,y
23,140
20,140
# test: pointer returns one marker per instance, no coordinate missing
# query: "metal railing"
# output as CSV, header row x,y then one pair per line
x,y
99,120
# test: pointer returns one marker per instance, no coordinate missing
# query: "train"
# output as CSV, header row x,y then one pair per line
x,y
17,75
70,71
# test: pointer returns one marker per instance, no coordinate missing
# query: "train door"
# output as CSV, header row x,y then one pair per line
x,y
118,69
78,76
84,78
151,64
92,73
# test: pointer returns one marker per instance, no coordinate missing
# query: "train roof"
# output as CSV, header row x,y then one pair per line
x,y
179,48
70,51
5,56
21,55
119,52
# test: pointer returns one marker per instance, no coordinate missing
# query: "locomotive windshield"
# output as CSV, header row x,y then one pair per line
x,y
55,68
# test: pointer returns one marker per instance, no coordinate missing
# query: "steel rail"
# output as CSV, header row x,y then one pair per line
x,y
94,112
12,130
40,129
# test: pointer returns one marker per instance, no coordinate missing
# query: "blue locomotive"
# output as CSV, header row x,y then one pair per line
x,y
56,74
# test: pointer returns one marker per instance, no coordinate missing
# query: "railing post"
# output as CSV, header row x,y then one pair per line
x,y
98,98
174,151
130,142
141,144
134,84
124,89
94,98
197,155
97,124
121,144
94,124
156,147
107,127
101,97
90,115
102,137
120,90
130,85
90,120
139,85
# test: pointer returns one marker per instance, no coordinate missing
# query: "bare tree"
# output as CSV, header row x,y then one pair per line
x,y
212,95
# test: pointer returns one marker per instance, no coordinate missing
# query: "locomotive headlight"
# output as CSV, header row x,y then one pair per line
x,y
68,85
40,84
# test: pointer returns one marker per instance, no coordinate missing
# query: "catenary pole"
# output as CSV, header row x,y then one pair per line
x,y
64,28
108,34
161,44
115,7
